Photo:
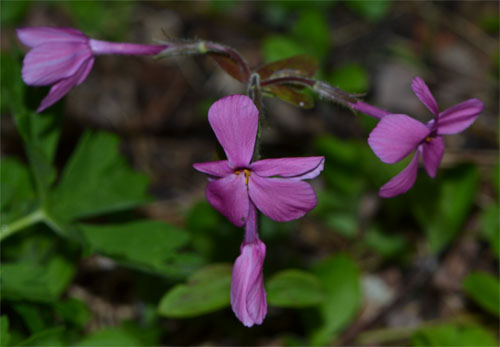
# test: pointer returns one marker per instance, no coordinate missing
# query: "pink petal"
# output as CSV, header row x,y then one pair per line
x,y
432,153
395,136
424,94
62,87
298,168
234,120
459,117
214,168
48,63
229,195
35,36
281,199
402,182
369,109
248,297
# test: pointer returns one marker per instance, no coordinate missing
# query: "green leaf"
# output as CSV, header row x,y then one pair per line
x,y
290,95
302,65
351,77
109,337
484,289
373,10
453,335
74,311
294,288
387,245
18,197
97,180
12,12
276,47
4,331
148,245
31,316
490,227
36,282
441,207
340,277
311,29
51,338
206,291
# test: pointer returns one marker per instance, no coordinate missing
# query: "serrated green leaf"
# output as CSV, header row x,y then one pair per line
x,y
484,289
109,337
36,282
340,277
97,180
149,245
294,288
4,331
206,291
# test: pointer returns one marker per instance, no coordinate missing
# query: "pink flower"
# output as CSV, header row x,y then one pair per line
x,y
274,186
397,135
248,297
237,188
63,58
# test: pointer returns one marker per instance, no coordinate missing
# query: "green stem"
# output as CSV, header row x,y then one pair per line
x,y
24,222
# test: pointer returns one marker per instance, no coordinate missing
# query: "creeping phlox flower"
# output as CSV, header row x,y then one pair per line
x,y
397,135
63,58
238,187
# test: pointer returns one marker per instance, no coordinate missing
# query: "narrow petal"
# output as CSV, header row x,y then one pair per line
x,y
432,153
229,195
248,297
62,87
424,94
51,62
369,109
214,168
234,120
459,117
281,199
35,36
298,168
395,136
402,182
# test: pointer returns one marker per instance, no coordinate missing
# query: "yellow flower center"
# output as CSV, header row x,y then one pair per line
x,y
246,172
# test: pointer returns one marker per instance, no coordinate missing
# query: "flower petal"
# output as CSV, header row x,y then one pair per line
x,y
459,117
369,109
62,87
234,120
395,136
432,153
229,195
248,297
35,36
281,199
48,63
402,182
218,168
298,168
424,94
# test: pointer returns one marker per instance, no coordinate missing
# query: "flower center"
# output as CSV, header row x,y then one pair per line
x,y
428,139
246,172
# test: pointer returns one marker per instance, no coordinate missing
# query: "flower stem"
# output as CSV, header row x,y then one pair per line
x,y
22,223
